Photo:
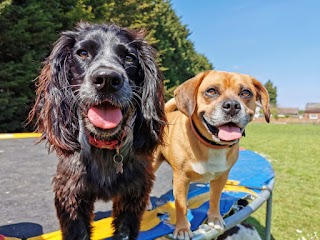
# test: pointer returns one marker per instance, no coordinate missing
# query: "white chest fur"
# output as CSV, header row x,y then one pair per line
x,y
216,163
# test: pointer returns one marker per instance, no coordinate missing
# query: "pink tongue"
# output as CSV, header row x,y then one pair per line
x,y
105,116
229,132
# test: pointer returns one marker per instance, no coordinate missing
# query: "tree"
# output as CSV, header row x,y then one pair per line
x,y
179,59
272,92
25,32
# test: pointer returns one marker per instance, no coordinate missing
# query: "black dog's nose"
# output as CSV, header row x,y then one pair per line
x,y
231,107
108,80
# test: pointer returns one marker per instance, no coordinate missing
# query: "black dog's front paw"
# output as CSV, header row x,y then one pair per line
x,y
121,236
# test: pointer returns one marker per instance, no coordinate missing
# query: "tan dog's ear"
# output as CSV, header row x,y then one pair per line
x,y
262,98
185,94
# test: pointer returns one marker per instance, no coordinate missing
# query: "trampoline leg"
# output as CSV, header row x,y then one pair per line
x,y
268,217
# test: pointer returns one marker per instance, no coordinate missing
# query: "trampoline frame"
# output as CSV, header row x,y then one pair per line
x,y
204,232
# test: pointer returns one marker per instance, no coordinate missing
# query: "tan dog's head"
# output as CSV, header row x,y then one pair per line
x,y
221,104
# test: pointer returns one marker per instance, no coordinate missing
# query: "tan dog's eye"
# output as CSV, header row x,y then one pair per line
x,y
246,93
211,91
83,53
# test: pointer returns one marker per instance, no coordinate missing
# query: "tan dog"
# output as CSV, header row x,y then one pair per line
x,y
203,136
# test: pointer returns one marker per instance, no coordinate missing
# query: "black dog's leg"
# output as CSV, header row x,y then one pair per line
x,y
127,214
128,208
74,203
75,221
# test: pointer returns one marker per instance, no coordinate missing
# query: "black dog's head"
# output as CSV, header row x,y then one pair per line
x,y
98,81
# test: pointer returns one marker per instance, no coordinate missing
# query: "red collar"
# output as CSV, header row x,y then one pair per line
x,y
98,143
205,141
104,144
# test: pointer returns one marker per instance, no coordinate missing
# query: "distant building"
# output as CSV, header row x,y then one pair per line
x,y
257,113
312,111
288,112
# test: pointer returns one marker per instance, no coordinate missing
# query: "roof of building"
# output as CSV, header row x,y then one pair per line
x,y
312,108
288,111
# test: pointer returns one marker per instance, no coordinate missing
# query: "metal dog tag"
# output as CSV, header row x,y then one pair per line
x,y
118,159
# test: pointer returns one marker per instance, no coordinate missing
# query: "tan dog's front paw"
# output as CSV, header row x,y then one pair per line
x,y
216,222
182,232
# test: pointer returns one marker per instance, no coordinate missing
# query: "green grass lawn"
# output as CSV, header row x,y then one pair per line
x,y
294,152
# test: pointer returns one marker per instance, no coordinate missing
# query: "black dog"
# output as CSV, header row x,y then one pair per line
x,y
100,107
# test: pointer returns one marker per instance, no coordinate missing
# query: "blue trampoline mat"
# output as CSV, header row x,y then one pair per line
x,y
251,170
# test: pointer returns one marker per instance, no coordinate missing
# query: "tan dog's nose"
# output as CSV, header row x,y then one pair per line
x,y
231,107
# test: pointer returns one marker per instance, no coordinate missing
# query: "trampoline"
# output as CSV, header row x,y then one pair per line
x,y
252,177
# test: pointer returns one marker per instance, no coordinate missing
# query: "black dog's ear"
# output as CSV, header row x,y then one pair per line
x,y
149,132
54,110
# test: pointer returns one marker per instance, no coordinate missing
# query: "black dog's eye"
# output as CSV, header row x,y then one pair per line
x,y
212,92
246,93
130,57
82,53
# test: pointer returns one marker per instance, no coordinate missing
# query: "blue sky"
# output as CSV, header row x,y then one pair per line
x,y
276,40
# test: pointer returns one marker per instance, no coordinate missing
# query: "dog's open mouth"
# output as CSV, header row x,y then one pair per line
x,y
226,132
105,116
229,132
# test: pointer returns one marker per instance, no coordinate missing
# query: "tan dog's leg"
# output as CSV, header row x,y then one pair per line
x,y
216,186
180,191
